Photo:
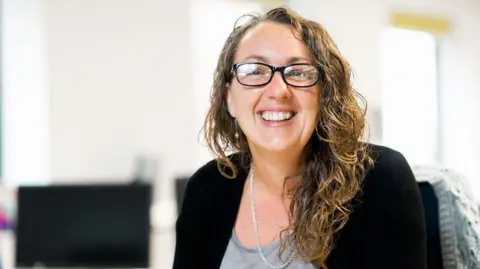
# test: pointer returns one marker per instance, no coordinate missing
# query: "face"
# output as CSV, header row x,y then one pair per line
x,y
275,117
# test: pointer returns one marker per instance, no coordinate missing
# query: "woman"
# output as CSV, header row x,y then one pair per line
x,y
301,190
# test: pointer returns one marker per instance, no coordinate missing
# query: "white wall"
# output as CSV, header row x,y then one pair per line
x,y
460,77
460,83
25,94
121,85
410,94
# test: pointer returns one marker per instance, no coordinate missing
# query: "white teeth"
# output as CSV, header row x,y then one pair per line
x,y
276,116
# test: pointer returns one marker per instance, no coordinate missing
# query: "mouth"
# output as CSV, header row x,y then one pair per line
x,y
277,116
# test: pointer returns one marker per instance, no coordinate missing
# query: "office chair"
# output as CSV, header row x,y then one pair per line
x,y
452,218
432,221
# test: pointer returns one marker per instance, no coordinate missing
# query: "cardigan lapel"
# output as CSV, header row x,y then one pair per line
x,y
230,195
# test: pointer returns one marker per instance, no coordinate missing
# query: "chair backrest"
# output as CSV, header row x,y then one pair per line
x,y
431,209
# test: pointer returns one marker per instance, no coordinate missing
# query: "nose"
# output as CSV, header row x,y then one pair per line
x,y
277,88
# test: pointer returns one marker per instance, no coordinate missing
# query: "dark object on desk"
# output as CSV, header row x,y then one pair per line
x,y
180,187
101,226
432,220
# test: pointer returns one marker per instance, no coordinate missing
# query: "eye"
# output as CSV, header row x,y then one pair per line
x,y
301,72
298,74
253,70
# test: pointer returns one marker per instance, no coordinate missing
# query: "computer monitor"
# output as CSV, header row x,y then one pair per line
x,y
97,226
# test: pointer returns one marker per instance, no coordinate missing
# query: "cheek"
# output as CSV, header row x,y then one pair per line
x,y
245,101
309,103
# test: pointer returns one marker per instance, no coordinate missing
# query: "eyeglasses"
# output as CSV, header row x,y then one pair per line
x,y
260,74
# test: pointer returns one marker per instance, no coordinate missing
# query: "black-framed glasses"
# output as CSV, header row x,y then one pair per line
x,y
259,74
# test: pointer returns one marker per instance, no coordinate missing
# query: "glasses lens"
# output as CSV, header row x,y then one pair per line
x,y
253,74
302,75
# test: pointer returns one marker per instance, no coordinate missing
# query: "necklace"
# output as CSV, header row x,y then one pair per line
x,y
257,235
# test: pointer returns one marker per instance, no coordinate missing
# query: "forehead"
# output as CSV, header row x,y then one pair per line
x,y
271,42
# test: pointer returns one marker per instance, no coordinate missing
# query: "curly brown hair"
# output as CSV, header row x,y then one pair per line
x,y
334,159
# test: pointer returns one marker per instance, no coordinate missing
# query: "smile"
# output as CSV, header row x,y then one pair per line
x,y
276,116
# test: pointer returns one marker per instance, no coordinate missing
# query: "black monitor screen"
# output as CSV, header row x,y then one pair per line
x,y
83,226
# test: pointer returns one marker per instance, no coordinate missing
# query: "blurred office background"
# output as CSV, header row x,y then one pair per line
x,y
89,88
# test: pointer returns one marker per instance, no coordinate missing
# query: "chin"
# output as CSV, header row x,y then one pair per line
x,y
277,145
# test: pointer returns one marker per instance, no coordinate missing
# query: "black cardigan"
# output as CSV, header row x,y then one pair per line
x,y
385,230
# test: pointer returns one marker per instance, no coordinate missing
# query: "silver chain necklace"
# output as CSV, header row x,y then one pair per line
x,y
257,234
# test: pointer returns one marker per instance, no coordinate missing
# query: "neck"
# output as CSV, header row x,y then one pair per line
x,y
272,169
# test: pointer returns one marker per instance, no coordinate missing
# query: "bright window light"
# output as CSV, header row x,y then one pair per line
x,y
409,94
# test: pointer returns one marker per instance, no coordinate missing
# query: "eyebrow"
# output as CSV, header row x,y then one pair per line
x,y
265,60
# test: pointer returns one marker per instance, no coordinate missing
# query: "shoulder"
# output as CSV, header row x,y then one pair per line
x,y
201,186
207,184
390,173
206,175
383,155
208,192
387,219
209,177
390,194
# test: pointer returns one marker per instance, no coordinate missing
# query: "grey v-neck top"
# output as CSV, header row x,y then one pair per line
x,y
238,256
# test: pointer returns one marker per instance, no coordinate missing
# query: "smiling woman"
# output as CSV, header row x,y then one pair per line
x,y
300,190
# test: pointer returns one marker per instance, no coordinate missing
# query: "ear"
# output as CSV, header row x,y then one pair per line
x,y
230,103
